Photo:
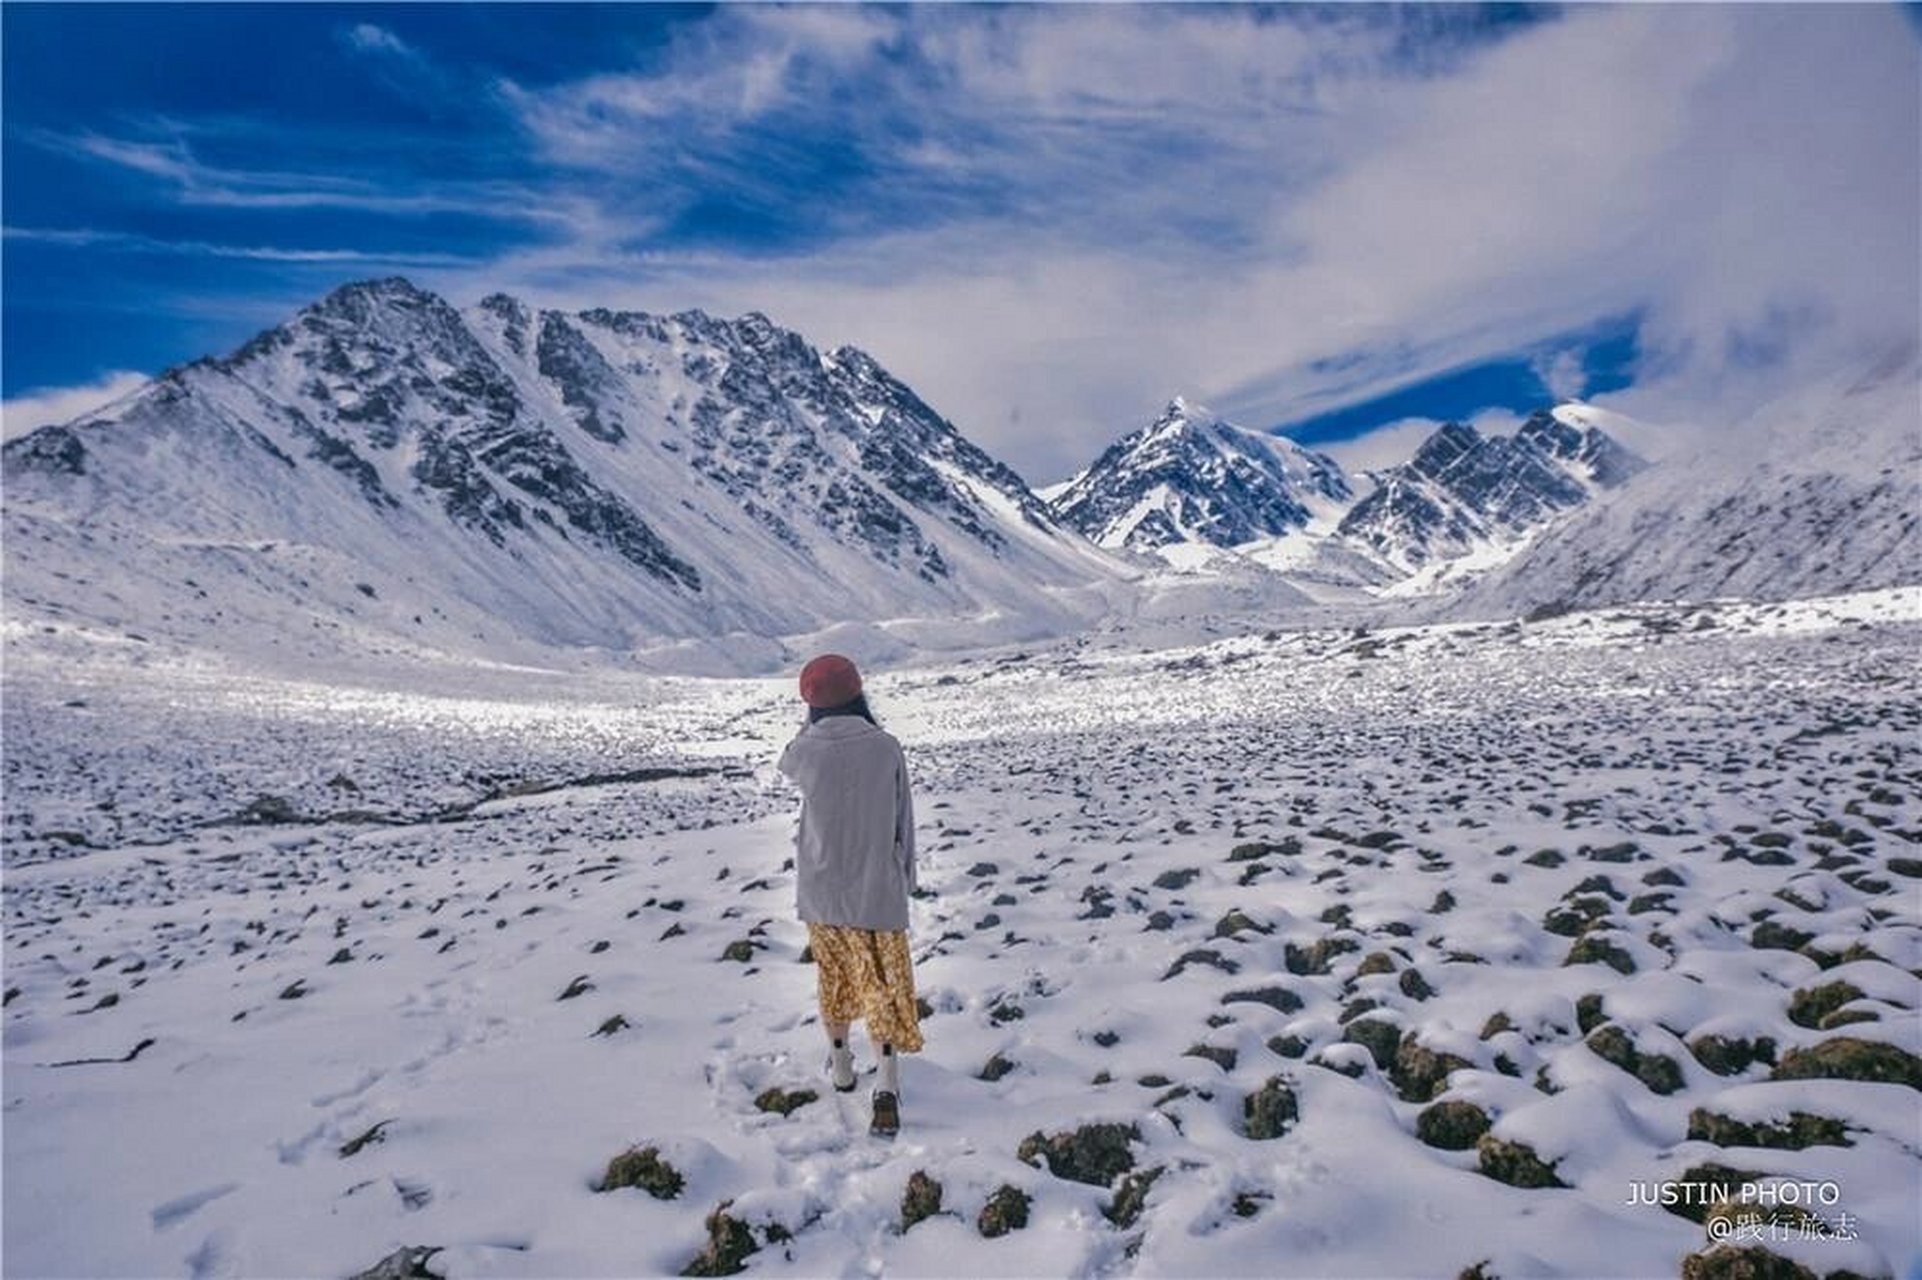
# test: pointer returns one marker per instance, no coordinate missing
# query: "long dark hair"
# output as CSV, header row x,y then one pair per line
x,y
855,706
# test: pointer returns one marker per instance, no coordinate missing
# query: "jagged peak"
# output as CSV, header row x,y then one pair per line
x,y
1182,409
366,302
384,287
506,306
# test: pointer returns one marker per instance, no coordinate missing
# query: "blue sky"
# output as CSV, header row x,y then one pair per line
x,y
1048,219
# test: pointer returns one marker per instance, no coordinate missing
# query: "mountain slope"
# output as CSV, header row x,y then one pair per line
x,y
1463,492
1825,496
386,469
1190,476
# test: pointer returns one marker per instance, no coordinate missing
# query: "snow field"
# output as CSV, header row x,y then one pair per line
x,y
1157,880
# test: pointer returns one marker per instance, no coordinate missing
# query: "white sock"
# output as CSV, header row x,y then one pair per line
x,y
890,1072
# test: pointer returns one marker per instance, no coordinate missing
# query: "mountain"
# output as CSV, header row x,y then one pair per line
x,y
386,469
1464,492
1823,497
1189,484
1190,476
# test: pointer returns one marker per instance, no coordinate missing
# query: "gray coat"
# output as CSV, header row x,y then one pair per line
x,y
854,857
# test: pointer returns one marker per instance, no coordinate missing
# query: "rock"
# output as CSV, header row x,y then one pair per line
x,y
643,1167
1280,999
579,986
1726,1056
1288,848
1846,1018
1095,1153
982,870
1444,903
1005,1211
1588,1012
996,1067
1375,962
1545,858
1658,1071
1202,956
1624,852
922,1199
1810,1005
1802,1129
355,1146
1314,960
1131,1197
785,1102
1745,1262
1514,1163
729,1242
1701,1186
1355,1008
409,1263
1248,1203
1771,935
1220,1055
1179,878
1381,1039
1288,1046
615,1024
1414,986
1270,1110
1237,921
1849,1058
1420,1072
741,949
1452,1125
1498,1022
1597,949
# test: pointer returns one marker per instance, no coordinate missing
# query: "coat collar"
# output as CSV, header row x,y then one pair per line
x,y
841,727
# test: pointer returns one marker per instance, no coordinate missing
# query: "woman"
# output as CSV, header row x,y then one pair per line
x,y
854,870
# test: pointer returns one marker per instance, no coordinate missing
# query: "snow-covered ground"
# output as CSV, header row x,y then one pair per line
x,y
299,973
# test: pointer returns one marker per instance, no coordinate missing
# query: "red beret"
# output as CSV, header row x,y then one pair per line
x,y
829,681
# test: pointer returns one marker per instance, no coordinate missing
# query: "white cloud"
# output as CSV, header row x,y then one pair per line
x,y
1282,216
1385,446
83,238
1562,374
370,38
64,404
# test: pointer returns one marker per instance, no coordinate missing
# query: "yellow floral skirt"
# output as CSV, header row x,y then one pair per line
x,y
867,974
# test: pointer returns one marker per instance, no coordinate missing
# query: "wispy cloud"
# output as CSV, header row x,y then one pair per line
x,y
63,404
81,238
172,160
1562,373
368,37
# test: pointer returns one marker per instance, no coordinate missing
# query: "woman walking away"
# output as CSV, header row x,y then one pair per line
x,y
854,870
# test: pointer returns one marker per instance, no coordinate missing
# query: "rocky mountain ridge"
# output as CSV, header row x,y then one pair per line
x,y
386,462
1193,480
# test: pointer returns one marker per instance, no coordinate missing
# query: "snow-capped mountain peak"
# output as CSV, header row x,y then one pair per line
x,y
1467,493
1191,476
508,474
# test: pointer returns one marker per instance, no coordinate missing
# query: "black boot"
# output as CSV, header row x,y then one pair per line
x,y
887,1114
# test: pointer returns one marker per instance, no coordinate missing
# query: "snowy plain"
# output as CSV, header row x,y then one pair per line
x,y
303,971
